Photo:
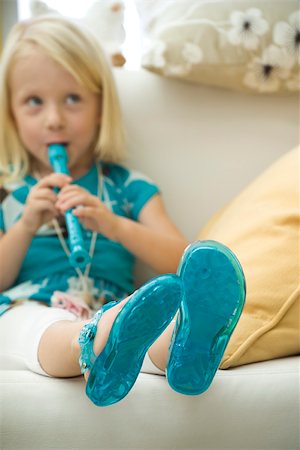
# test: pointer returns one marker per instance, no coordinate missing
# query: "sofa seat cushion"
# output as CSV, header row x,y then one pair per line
x,y
254,406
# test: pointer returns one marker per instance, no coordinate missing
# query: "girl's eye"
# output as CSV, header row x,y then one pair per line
x,y
73,98
34,101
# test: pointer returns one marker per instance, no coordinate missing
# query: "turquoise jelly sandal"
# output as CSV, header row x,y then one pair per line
x,y
138,324
214,296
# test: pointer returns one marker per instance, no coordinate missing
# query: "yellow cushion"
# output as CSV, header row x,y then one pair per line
x,y
262,227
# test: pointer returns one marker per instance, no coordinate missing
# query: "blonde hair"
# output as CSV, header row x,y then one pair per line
x,y
81,55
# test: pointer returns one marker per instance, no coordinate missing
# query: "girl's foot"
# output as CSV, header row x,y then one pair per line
x,y
214,296
126,331
99,327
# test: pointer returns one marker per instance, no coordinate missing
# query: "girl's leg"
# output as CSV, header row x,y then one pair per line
x,y
45,340
21,329
59,350
51,341
159,351
57,354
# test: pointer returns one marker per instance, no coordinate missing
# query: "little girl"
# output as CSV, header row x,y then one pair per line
x,y
57,88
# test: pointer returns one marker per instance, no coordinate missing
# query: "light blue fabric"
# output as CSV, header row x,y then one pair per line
x,y
46,267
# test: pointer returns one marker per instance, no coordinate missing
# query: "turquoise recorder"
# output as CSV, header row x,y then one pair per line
x,y
79,257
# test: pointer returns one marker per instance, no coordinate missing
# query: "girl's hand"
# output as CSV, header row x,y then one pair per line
x,y
89,209
40,204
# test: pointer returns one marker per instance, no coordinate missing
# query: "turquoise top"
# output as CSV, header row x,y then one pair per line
x,y
124,191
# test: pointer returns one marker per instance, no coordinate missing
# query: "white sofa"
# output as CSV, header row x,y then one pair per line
x,y
202,146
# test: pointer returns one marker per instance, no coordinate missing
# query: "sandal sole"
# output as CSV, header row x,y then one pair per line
x,y
214,296
139,323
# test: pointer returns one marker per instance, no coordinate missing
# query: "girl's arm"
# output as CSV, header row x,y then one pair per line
x,y
154,239
13,248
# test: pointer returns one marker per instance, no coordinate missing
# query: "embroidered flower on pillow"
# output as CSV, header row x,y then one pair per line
x,y
287,34
155,54
266,72
247,28
192,53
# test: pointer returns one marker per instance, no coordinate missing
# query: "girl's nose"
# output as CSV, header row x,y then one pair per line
x,y
54,117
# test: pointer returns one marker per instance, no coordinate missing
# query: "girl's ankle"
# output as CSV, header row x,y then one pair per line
x,y
75,347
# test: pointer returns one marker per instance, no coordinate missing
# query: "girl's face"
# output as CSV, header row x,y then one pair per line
x,y
50,106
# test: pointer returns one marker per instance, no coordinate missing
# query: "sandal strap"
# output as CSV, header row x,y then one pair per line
x,y
86,339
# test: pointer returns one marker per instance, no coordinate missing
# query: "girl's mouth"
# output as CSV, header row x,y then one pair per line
x,y
64,144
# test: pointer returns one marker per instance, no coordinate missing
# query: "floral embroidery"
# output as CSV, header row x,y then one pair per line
x,y
288,35
71,303
155,55
267,52
247,27
192,53
267,71
24,290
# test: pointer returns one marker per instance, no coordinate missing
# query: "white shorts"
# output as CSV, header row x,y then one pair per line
x,y
21,329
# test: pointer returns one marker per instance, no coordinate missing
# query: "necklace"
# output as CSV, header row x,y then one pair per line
x,y
84,290
85,282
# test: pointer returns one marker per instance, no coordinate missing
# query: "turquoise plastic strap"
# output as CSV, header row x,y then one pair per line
x,y
86,339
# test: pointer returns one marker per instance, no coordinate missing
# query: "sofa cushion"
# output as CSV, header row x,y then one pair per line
x,y
55,414
262,227
251,45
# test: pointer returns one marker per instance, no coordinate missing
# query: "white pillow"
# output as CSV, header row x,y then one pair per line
x,y
244,45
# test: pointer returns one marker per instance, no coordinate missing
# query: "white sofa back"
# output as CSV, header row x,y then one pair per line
x,y
202,145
